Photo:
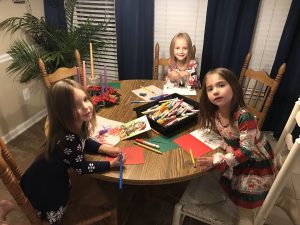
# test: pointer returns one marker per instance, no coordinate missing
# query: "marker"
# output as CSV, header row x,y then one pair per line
x,y
121,171
147,147
147,143
139,101
148,89
192,157
158,97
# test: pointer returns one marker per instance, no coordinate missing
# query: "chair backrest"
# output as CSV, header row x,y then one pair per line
x,y
10,176
62,72
287,166
163,62
259,89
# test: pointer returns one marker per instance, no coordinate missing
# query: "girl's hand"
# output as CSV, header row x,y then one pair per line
x,y
205,161
109,150
174,76
229,149
116,161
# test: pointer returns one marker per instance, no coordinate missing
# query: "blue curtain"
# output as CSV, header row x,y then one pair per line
x,y
135,29
228,34
55,13
289,90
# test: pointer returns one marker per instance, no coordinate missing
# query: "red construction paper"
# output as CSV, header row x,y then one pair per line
x,y
188,142
134,155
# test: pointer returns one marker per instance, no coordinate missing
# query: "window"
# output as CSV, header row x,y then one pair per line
x,y
271,18
100,11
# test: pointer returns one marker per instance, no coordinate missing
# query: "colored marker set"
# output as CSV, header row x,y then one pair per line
x,y
170,114
170,111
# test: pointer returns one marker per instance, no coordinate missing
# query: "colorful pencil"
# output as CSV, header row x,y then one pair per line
x,y
121,171
192,157
147,147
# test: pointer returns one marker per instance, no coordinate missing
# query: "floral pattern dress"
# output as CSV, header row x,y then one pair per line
x,y
191,69
46,182
248,172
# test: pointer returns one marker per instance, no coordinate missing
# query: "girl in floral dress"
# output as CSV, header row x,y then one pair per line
x,y
182,68
247,168
71,119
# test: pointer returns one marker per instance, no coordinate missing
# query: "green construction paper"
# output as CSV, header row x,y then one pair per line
x,y
165,143
115,85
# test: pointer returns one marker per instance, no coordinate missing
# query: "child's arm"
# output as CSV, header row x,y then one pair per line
x,y
173,75
247,128
73,155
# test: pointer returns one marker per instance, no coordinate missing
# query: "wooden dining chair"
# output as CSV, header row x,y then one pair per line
x,y
62,72
259,89
162,63
224,211
76,213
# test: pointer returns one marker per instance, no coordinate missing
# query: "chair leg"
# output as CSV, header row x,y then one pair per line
x,y
177,216
114,217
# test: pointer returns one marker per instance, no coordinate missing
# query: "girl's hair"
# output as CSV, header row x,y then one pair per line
x,y
208,110
62,112
186,37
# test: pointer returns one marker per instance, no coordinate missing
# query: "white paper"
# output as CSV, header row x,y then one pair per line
x,y
150,91
208,137
179,90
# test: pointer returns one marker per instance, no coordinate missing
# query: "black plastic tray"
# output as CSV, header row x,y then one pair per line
x,y
176,127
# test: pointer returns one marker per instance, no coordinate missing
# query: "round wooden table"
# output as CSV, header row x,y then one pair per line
x,y
170,167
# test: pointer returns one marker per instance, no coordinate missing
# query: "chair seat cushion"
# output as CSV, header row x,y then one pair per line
x,y
204,190
209,213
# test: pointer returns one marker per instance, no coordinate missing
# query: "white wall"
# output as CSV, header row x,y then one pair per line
x,y
16,114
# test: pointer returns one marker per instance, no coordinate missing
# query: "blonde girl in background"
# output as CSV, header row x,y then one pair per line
x,y
182,68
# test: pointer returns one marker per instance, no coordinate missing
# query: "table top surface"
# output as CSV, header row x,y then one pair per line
x,y
170,167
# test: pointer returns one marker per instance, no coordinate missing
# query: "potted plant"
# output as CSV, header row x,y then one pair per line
x,y
55,46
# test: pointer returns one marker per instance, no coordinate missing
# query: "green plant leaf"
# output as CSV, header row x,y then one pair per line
x,y
55,46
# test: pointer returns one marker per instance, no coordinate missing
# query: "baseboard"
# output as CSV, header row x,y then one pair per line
x,y
24,126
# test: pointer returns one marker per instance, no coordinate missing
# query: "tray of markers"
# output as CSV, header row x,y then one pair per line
x,y
170,114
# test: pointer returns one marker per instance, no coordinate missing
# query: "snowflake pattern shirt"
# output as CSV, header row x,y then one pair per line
x,y
46,182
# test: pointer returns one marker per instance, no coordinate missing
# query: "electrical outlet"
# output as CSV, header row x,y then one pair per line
x,y
26,94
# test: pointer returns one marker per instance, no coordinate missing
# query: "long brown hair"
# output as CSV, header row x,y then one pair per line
x,y
61,112
208,110
186,37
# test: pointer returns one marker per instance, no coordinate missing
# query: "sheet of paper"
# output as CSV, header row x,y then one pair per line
x,y
134,127
104,123
148,91
208,137
113,134
165,143
134,155
179,90
107,131
188,141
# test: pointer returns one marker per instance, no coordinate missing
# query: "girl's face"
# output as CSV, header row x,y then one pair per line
x,y
181,49
219,91
84,107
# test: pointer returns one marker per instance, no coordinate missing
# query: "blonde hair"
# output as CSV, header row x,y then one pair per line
x,y
186,37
